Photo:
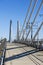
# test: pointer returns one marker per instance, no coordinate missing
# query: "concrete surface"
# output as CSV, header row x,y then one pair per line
x,y
14,50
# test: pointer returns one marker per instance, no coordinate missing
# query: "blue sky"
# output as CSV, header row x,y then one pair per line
x,y
14,10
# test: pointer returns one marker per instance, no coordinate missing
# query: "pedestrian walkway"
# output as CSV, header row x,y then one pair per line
x,y
20,54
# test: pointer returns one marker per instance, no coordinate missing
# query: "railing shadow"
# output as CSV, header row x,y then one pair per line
x,y
16,47
21,55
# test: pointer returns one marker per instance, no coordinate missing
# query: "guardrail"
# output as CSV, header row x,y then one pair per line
x,y
3,47
36,44
3,57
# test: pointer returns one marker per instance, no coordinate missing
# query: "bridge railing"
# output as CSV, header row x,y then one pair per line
x,y
2,51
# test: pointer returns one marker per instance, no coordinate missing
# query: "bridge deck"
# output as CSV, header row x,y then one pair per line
x,y
18,54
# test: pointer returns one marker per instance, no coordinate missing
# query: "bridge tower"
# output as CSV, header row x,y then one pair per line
x,y
10,31
17,30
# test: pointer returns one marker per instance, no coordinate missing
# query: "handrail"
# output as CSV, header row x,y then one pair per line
x,y
3,51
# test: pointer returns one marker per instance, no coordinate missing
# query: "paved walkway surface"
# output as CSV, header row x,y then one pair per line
x,y
19,54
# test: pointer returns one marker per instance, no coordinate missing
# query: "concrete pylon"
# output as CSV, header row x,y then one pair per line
x,y
10,31
17,30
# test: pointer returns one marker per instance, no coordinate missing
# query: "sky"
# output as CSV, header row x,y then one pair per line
x,y
15,10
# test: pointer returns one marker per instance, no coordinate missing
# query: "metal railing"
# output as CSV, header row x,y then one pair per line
x,y
2,50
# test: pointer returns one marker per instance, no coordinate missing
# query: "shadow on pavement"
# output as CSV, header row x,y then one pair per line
x,y
21,55
16,47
